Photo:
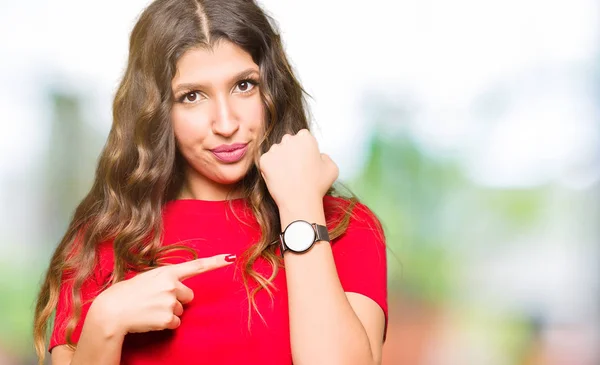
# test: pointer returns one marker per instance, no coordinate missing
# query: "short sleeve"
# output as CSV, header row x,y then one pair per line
x,y
360,257
90,289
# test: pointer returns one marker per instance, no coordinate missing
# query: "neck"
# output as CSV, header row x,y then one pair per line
x,y
199,187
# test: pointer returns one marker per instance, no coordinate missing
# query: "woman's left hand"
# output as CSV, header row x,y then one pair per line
x,y
296,172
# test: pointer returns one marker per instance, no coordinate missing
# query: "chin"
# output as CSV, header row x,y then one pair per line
x,y
233,176
230,181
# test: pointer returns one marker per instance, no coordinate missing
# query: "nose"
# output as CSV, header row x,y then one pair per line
x,y
225,120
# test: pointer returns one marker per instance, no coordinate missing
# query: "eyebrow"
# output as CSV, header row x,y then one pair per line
x,y
194,86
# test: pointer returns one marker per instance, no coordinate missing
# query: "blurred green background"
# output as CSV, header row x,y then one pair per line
x,y
470,128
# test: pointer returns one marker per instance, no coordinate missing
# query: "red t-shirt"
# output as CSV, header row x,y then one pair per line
x,y
214,326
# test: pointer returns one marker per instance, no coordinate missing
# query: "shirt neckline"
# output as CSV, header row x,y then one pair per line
x,y
199,205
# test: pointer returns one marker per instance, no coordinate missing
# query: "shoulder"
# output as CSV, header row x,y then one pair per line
x,y
355,217
359,248
97,270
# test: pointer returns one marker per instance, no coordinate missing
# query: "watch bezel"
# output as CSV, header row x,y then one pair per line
x,y
285,244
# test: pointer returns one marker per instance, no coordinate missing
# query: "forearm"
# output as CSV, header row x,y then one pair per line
x,y
324,327
100,342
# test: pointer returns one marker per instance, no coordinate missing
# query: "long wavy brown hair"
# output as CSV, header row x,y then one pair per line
x,y
140,168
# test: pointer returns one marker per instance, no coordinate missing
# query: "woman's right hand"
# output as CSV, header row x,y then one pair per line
x,y
152,300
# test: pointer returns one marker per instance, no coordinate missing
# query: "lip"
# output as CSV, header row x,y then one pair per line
x,y
231,153
229,147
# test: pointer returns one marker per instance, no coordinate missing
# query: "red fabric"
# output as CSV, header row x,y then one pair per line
x,y
214,326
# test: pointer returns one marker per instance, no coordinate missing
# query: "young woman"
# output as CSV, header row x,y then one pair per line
x,y
212,233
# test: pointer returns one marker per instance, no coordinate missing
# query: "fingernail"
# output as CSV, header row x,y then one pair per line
x,y
230,258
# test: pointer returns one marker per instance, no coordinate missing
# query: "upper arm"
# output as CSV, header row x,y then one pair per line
x,y
61,355
64,311
361,263
372,318
89,290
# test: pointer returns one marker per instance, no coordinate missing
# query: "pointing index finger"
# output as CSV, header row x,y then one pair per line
x,y
191,268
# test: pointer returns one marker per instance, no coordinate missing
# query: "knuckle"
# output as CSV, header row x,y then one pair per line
x,y
169,286
163,273
186,293
201,265
166,319
171,303
263,158
190,295
159,271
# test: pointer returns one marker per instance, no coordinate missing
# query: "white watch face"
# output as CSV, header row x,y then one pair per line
x,y
299,236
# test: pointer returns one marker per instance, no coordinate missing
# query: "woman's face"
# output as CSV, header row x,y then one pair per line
x,y
217,107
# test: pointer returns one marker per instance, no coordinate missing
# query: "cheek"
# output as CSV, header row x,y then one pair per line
x,y
188,126
255,114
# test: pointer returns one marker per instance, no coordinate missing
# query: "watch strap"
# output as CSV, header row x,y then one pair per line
x,y
321,231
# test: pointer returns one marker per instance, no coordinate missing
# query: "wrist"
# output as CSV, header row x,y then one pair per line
x,y
300,201
105,320
311,211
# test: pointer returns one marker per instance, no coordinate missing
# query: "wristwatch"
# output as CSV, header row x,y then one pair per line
x,y
299,236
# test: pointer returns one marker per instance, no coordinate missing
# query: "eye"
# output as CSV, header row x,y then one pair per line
x,y
190,97
245,86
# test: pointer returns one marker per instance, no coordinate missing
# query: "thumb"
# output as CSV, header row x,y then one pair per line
x,y
325,157
331,167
